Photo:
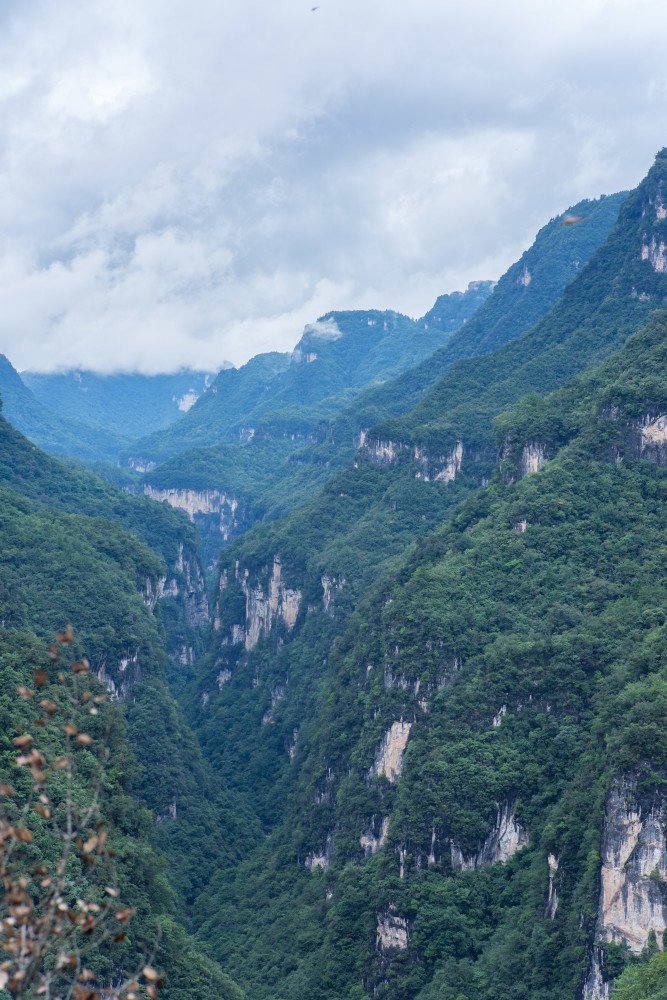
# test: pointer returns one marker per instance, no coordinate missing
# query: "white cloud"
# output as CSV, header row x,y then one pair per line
x,y
180,184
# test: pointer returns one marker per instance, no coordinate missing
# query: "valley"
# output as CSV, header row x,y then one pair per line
x,y
383,621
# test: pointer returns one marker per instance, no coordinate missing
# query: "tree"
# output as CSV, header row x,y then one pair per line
x,y
61,906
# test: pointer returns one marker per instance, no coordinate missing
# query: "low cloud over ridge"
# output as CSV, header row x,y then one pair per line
x,y
184,184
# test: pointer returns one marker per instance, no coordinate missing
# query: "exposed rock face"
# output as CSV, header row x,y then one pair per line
x,y
439,469
389,760
654,253
152,591
532,458
525,277
141,464
261,611
381,452
552,898
633,879
199,502
498,718
119,691
196,601
277,694
369,842
329,585
505,839
392,932
322,860
653,438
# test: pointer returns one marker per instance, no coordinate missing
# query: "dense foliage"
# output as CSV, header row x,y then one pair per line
x,y
554,631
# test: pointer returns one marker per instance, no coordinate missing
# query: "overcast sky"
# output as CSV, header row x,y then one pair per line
x,y
187,182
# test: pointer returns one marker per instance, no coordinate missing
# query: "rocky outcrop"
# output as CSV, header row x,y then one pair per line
x,y
381,452
653,438
369,841
389,759
329,585
119,688
280,602
440,468
506,838
633,879
392,932
323,859
654,253
532,459
196,601
525,277
141,464
552,898
152,591
277,694
197,503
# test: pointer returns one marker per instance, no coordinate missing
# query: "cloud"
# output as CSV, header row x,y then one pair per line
x,y
181,184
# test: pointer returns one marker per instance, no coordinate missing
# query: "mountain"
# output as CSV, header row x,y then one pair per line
x,y
128,405
442,662
48,428
491,716
451,311
335,358
126,573
286,459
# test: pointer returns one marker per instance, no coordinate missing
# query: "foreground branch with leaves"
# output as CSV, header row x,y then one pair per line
x,y
53,920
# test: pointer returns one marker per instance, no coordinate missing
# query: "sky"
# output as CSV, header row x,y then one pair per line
x,y
187,183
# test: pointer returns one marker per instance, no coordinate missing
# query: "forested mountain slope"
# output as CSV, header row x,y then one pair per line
x,y
68,556
287,395
51,430
127,404
339,634
230,486
490,712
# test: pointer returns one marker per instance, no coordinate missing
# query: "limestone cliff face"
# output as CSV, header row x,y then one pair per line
x,y
266,602
119,681
369,841
506,838
380,452
439,468
533,457
654,252
653,438
392,931
321,859
633,878
197,503
141,464
389,759
330,584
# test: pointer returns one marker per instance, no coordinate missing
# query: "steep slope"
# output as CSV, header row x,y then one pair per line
x,y
126,572
271,475
128,405
408,474
335,358
489,721
451,311
49,429
63,567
